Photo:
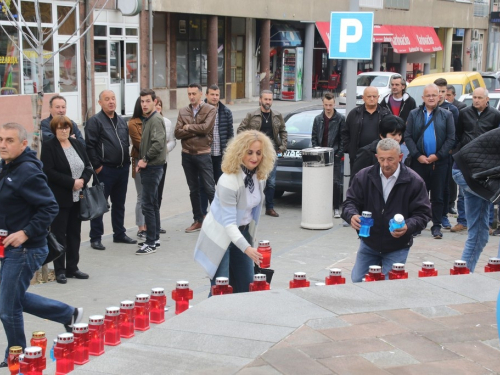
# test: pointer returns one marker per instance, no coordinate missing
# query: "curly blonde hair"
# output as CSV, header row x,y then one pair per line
x,y
238,147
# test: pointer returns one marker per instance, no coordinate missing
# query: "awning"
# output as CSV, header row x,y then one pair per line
x,y
285,36
407,39
380,33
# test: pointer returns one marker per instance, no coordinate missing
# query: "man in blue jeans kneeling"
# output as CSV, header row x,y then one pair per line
x,y
385,190
27,210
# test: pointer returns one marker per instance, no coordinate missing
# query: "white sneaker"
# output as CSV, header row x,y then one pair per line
x,y
336,214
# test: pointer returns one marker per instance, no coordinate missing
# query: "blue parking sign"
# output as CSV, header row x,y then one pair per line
x,y
351,35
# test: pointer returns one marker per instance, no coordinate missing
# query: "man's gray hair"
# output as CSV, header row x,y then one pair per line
x,y
388,144
21,131
485,91
265,92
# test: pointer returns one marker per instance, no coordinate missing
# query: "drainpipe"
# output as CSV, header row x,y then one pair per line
x,y
150,10
88,69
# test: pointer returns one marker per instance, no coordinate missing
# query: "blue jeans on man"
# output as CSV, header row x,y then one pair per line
x,y
367,257
271,187
462,218
477,212
18,267
150,179
217,167
237,266
115,188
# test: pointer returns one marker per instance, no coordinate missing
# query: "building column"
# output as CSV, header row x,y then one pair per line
x,y
427,68
265,49
377,54
467,42
447,49
403,58
212,53
308,62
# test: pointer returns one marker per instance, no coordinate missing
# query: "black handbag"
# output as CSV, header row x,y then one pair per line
x,y
55,248
93,203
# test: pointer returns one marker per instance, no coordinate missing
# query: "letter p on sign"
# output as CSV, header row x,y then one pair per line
x,y
351,35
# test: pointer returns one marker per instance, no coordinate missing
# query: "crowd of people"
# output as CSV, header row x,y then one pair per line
x,y
404,160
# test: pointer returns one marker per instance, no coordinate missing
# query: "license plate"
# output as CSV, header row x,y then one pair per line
x,y
293,154
360,102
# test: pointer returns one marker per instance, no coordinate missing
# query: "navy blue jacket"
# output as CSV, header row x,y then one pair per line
x,y
444,130
226,130
26,201
47,133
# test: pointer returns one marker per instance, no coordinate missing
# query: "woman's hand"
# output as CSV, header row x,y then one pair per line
x,y
253,254
78,184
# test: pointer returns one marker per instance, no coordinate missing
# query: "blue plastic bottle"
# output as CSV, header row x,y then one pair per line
x,y
397,223
52,351
366,223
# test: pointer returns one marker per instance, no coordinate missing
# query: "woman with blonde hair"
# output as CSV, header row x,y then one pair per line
x,y
225,245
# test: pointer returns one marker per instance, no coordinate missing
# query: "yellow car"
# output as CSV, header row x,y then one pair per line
x,y
464,83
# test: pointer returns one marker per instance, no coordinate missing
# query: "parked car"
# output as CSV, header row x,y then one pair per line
x,y
492,80
381,80
464,83
493,102
299,127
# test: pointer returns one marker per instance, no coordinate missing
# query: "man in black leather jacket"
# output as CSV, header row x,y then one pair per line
x,y
326,133
106,135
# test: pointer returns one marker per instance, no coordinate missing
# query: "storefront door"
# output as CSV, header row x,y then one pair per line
x,y
238,66
67,79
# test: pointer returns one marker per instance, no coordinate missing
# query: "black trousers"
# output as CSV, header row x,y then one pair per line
x,y
67,228
162,185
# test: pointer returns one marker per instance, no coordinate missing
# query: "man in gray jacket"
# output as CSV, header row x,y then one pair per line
x,y
153,153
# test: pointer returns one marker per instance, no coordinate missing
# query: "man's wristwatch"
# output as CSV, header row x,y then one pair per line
x,y
145,159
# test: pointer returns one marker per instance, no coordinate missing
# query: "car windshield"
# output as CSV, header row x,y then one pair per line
x,y
416,92
491,83
301,123
377,81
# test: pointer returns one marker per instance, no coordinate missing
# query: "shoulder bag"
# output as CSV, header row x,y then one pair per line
x,y
93,203
55,248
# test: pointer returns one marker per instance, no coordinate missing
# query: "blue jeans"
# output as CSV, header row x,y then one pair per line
x,y
237,266
270,187
216,164
150,179
368,257
18,268
461,219
198,168
115,187
477,212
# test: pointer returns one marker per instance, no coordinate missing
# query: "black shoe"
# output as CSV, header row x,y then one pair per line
x,y
76,318
97,245
61,279
452,211
145,250
3,364
436,233
77,275
162,231
125,239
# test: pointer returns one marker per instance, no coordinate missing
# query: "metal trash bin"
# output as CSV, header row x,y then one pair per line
x,y
317,188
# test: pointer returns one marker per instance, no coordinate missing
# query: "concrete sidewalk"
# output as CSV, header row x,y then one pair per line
x,y
308,331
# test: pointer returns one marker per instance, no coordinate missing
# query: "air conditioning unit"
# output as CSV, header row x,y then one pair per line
x,y
475,34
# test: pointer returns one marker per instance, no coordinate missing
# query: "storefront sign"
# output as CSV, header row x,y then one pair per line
x,y
494,18
9,60
351,35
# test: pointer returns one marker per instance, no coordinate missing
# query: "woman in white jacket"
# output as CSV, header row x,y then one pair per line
x,y
225,245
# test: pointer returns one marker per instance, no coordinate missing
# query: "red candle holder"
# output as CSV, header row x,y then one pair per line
x,y
112,326
181,295
427,270
38,339
142,307
221,287
398,272
158,302
127,317
259,283
96,331
299,281
335,277
3,236
265,249
460,268
493,265
82,340
13,359
63,352
32,362
374,274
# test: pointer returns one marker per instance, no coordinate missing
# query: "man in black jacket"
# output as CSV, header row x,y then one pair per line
x,y
222,133
472,122
385,190
326,133
429,136
107,139
57,107
398,101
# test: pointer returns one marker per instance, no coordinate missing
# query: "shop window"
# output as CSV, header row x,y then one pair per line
x,y
115,31
68,80
29,14
4,8
131,32
31,67
131,59
182,66
100,30
100,56
69,26
10,79
397,4
159,50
